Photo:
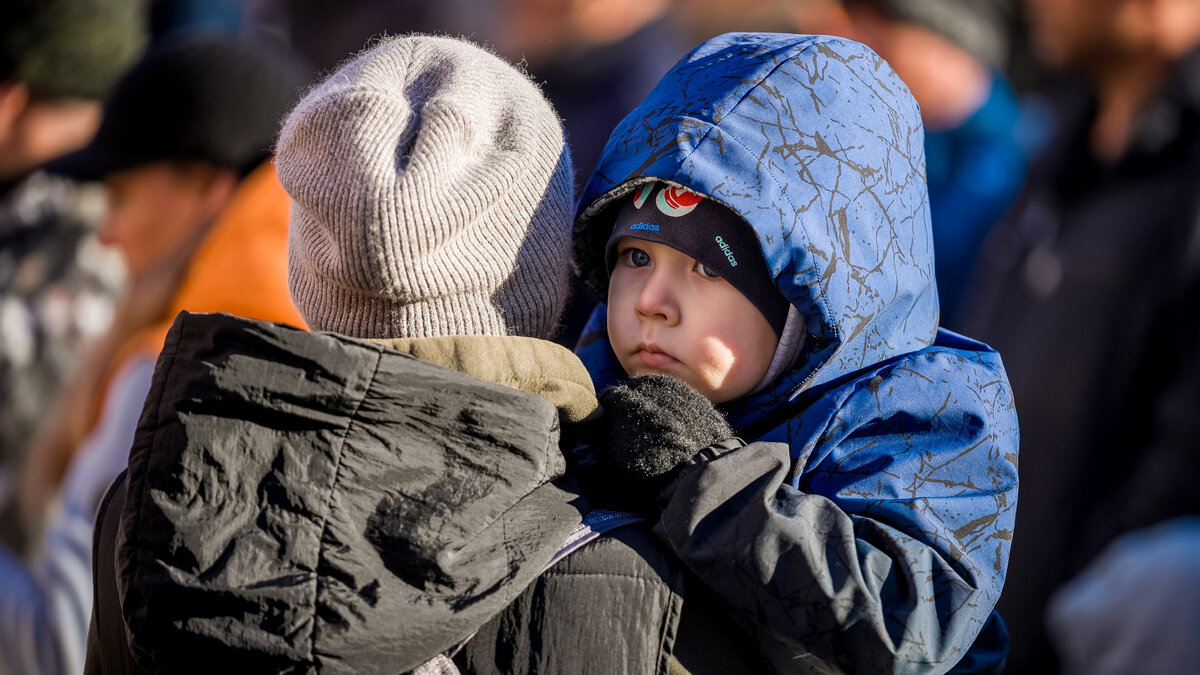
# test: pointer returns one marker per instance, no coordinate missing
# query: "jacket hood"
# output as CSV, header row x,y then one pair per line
x,y
819,146
307,502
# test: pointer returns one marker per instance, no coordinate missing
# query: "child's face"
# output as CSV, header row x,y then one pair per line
x,y
669,314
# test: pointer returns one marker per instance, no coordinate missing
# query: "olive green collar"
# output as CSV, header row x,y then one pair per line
x,y
536,366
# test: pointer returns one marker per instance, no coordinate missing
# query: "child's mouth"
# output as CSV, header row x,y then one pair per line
x,y
651,357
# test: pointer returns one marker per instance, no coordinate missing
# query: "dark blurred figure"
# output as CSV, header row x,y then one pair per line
x,y
327,33
1089,291
168,16
596,60
198,215
951,54
58,59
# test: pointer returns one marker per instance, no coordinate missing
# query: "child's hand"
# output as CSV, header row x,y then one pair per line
x,y
652,425
655,423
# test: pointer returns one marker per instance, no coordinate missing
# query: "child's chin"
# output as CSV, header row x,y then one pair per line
x,y
654,362
646,370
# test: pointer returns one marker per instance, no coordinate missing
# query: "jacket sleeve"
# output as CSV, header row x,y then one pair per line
x,y
881,545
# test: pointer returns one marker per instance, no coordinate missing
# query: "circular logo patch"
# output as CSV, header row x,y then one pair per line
x,y
676,201
642,193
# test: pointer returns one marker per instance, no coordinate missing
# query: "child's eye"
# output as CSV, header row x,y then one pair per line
x,y
637,257
707,271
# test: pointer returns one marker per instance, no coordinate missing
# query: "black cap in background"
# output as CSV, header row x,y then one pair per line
x,y
211,98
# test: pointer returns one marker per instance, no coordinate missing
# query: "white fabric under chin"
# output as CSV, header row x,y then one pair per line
x,y
790,343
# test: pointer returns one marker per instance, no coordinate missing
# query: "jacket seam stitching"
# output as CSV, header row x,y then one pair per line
x,y
669,634
318,578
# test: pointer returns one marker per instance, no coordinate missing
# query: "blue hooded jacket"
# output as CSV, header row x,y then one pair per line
x,y
867,525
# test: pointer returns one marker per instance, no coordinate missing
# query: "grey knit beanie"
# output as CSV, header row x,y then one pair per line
x,y
431,195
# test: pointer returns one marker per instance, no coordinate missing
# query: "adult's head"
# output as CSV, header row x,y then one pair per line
x,y
179,132
541,31
431,190
1096,36
978,27
58,59
942,49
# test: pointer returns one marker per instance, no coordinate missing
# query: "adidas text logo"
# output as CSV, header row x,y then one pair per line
x,y
728,253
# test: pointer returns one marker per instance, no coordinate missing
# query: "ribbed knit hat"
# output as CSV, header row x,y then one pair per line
x,y
431,195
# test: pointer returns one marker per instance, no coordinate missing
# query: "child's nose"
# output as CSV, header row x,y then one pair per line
x,y
657,299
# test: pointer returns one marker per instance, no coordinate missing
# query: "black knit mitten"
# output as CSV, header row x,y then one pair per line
x,y
652,425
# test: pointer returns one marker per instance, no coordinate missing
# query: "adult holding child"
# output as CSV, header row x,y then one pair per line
x,y
314,501
326,501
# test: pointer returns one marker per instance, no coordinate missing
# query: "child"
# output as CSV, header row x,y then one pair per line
x,y
759,226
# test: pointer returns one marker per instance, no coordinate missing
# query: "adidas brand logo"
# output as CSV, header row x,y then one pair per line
x,y
650,227
727,251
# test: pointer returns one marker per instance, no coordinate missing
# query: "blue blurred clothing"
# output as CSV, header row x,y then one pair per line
x,y
867,524
1136,609
167,17
974,171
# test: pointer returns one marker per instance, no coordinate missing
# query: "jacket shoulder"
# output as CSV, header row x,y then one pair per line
x,y
354,495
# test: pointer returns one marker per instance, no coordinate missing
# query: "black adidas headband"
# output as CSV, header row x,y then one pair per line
x,y
708,232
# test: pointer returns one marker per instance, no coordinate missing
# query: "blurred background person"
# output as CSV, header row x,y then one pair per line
x,y
1088,289
702,19
58,59
200,219
327,33
597,59
952,54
